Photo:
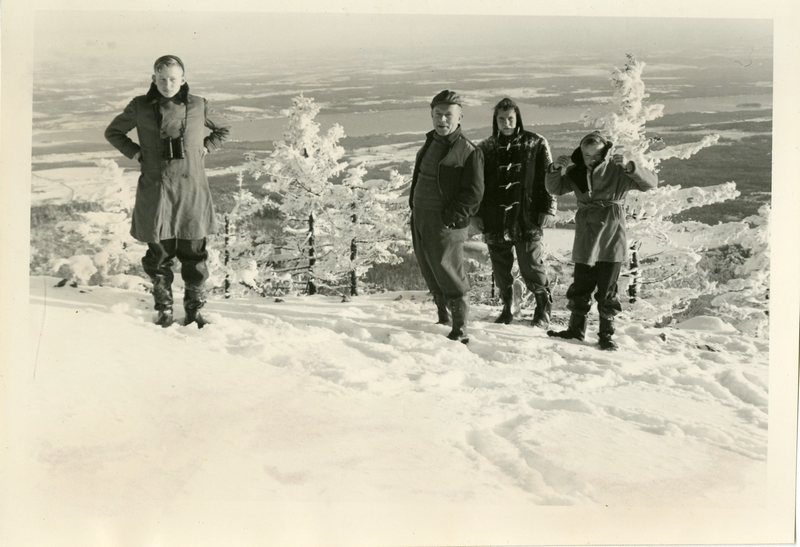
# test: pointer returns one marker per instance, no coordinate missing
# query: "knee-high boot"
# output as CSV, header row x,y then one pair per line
x,y
576,329
605,333
459,310
162,296
194,299
541,315
443,316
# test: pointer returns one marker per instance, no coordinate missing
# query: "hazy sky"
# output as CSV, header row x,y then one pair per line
x,y
132,37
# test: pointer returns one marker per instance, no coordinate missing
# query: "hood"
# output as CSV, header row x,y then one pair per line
x,y
577,174
577,157
520,128
153,94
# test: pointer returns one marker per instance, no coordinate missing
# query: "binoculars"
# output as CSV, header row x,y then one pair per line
x,y
172,149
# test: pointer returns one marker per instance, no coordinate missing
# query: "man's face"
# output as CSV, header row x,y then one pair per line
x,y
507,121
592,154
446,118
168,80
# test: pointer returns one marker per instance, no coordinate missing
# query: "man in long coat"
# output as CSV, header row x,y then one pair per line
x,y
173,212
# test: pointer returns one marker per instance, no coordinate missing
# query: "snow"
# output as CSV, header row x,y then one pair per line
x,y
312,421
76,183
706,323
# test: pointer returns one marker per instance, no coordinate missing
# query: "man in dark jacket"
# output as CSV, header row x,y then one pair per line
x,y
446,190
600,180
516,207
173,212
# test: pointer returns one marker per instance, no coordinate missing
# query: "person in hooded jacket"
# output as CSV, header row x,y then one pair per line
x,y
600,181
173,212
516,208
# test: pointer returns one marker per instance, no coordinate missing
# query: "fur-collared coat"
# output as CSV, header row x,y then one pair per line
x,y
173,199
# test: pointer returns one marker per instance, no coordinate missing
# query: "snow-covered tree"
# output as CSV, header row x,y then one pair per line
x,y
243,260
339,225
301,169
625,127
110,255
366,224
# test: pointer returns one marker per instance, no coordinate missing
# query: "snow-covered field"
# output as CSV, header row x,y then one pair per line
x,y
312,421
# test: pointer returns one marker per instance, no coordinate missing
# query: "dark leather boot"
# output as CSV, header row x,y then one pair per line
x,y
541,316
162,296
194,299
576,329
443,316
459,309
605,333
506,316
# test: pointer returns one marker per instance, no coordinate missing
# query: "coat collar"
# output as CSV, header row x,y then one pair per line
x,y
448,139
577,157
577,173
153,94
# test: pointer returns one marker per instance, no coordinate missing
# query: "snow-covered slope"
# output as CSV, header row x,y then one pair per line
x,y
313,421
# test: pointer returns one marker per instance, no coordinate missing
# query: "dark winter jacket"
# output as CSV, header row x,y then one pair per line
x,y
600,231
173,199
460,179
514,174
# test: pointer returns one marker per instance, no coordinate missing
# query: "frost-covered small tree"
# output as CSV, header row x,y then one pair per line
x,y
301,169
625,126
244,259
110,255
365,224
339,223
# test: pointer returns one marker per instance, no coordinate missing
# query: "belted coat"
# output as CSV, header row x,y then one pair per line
x,y
600,229
173,199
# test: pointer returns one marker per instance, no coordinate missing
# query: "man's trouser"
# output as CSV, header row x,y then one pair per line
x,y
157,263
531,265
603,276
440,254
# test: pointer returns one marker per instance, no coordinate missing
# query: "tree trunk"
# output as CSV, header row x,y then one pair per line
x,y
311,287
227,283
353,256
633,287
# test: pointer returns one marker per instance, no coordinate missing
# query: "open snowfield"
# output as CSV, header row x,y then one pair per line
x,y
313,421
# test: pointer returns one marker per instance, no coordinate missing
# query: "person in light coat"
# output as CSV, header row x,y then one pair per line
x,y
173,213
600,181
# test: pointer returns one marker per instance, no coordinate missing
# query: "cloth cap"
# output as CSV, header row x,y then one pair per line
x,y
446,97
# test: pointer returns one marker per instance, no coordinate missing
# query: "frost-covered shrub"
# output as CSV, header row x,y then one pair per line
x,y
109,252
